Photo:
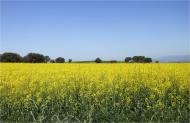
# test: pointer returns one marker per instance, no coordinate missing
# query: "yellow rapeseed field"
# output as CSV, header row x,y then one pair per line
x,y
73,92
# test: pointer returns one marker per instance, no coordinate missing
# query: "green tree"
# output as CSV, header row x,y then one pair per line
x,y
147,60
156,61
59,60
138,58
98,60
10,57
47,58
34,58
70,60
127,59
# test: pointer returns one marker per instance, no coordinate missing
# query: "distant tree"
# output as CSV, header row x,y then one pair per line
x,y
98,60
70,60
127,59
156,61
59,60
147,60
34,58
10,57
0,57
47,58
138,58
52,61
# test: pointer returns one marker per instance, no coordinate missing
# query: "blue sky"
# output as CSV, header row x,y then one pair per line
x,y
84,30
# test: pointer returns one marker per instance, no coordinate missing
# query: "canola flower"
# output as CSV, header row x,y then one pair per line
x,y
94,92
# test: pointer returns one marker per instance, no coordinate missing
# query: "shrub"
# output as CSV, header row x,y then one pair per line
x,y
147,60
52,61
70,60
98,60
127,59
59,60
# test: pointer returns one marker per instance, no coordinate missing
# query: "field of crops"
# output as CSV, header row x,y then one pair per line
x,y
94,92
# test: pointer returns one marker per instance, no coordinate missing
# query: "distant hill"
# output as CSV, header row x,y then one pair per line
x,y
174,58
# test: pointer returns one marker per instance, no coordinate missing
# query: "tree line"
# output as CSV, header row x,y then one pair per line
x,y
40,58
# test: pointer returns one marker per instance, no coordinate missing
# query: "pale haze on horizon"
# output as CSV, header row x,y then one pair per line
x,y
85,30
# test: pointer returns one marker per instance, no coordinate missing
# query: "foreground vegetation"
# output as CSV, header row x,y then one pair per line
x,y
94,92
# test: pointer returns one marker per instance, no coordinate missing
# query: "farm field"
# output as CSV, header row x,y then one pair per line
x,y
73,92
